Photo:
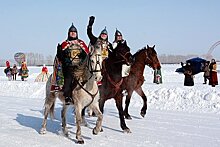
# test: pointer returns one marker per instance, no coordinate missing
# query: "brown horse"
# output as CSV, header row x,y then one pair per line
x,y
145,56
112,79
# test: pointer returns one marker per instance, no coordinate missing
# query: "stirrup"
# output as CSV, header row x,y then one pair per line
x,y
125,92
68,100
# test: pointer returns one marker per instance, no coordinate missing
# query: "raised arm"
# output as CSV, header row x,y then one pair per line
x,y
92,38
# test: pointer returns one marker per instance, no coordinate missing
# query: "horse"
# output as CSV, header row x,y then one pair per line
x,y
145,56
111,86
84,95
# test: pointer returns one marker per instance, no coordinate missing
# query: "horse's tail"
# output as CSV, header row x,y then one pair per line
x,y
50,99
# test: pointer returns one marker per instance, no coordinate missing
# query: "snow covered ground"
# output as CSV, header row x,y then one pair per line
x,y
177,116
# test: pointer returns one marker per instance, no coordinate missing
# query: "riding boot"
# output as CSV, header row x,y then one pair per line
x,y
68,100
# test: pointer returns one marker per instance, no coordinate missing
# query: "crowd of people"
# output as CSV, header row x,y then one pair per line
x,y
210,73
11,72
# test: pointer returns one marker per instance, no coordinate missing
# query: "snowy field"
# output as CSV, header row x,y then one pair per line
x,y
177,116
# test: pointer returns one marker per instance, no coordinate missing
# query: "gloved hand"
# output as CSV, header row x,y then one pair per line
x,y
91,20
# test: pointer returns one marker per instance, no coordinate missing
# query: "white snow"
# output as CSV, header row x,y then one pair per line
x,y
177,116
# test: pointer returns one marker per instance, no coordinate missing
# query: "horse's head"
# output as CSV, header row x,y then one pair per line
x,y
151,58
122,53
95,64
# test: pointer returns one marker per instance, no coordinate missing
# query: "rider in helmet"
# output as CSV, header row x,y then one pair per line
x,y
99,42
71,53
119,39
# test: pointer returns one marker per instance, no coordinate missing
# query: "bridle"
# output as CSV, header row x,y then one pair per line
x,y
92,71
98,64
148,58
123,57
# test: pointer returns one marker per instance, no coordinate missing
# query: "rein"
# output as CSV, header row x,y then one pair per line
x,y
91,70
92,95
123,56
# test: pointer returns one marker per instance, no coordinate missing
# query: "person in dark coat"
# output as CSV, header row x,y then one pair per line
x,y
188,80
14,72
68,53
100,42
118,38
213,73
206,72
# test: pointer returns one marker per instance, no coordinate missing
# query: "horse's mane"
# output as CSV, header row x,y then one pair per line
x,y
144,48
139,51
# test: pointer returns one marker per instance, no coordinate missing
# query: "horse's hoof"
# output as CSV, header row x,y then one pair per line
x,y
127,130
128,117
95,131
142,114
43,131
101,130
65,132
80,141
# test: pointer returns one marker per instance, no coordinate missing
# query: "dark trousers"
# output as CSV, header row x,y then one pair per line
x,y
14,76
69,82
205,79
188,81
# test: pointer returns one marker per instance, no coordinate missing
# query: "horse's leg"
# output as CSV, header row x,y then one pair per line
x,y
127,102
118,100
90,112
49,108
144,108
84,123
99,115
78,111
63,116
101,104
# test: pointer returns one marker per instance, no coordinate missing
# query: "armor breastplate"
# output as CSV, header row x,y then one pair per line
x,y
72,55
104,47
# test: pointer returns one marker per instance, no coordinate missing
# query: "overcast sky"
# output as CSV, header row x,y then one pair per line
x,y
174,26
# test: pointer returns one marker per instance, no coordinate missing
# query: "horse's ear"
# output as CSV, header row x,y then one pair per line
x,y
154,46
147,46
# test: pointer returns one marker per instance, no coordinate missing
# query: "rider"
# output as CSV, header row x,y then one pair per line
x,y
99,42
72,52
119,39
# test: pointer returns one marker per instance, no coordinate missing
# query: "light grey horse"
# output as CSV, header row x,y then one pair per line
x,y
84,95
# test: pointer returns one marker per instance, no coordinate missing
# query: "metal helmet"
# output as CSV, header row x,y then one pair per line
x,y
104,31
118,33
72,28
